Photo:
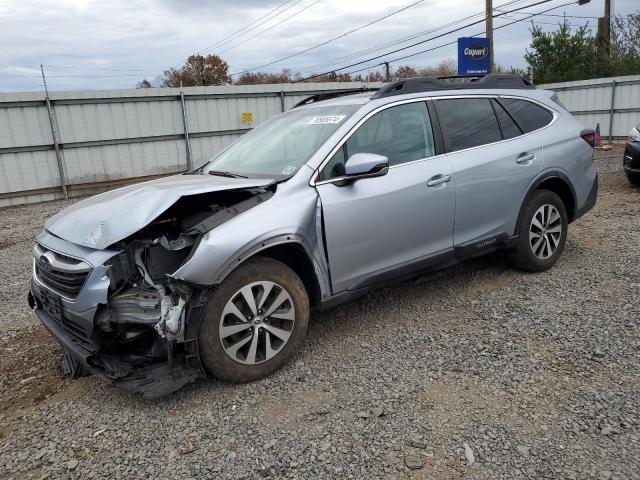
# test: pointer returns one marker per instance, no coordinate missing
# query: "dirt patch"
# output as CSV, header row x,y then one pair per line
x,y
30,370
300,406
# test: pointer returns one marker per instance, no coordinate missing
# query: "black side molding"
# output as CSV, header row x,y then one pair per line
x,y
420,267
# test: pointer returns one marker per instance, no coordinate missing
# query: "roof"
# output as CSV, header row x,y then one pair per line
x,y
419,85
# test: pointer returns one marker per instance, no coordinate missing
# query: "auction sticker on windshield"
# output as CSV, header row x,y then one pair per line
x,y
325,119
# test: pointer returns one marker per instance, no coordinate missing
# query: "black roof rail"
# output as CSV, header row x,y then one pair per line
x,y
431,84
318,97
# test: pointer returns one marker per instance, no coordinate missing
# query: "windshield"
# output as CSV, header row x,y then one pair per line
x,y
281,145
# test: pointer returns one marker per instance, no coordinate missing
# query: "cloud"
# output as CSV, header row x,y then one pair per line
x,y
97,44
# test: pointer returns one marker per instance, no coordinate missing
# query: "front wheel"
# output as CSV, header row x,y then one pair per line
x,y
542,231
256,319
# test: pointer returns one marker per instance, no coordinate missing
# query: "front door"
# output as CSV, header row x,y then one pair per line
x,y
373,226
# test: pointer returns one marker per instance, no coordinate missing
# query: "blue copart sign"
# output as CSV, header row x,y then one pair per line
x,y
473,56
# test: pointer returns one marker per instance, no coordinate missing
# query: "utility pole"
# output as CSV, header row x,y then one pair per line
x,y
202,71
489,21
607,27
604,29
54,135
387,72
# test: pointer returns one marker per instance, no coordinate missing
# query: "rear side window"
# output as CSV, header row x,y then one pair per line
x,y
527,115
507,125
468,122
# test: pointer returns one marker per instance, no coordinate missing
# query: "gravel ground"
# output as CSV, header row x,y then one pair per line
x,y
478,371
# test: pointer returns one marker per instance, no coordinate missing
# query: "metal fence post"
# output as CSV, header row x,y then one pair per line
x,y
611,109
186,131
56,146
282,100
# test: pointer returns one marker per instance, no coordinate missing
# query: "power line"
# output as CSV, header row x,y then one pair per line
x,y
331,39
271,27
70,76
495,28
382,45
229,37
531,15
435,37
59,67
570,26
557,15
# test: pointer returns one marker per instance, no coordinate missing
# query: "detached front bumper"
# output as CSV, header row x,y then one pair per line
x,y
153,368
152,380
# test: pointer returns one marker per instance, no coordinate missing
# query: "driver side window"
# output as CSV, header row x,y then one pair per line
x,y
402,134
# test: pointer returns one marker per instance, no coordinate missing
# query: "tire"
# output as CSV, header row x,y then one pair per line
x,y
634,179
229,347
541,250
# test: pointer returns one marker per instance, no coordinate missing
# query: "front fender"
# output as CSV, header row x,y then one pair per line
x,y
294,219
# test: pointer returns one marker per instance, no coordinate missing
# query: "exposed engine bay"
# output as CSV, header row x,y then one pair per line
x,y
145,336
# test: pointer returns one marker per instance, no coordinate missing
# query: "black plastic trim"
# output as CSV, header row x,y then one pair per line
x,y
431,84
329,95
546,176
420,267
436,127
342,297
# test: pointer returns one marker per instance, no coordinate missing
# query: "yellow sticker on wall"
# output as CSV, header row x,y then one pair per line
x,y
246,117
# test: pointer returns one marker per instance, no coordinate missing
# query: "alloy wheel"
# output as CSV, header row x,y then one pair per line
x,y
256,322
545,231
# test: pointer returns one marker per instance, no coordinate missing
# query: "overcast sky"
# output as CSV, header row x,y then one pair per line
x,y
92,44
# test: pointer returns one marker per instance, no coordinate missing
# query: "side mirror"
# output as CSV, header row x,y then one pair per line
x,y
363,165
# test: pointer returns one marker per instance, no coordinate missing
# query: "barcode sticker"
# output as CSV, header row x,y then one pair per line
x,y
325,119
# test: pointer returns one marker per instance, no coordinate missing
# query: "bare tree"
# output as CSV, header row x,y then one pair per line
x,y
144,83
405,71
445,68
254,78
197,70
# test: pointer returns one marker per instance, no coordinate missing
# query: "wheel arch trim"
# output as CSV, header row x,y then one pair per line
x,y
550,175
294,241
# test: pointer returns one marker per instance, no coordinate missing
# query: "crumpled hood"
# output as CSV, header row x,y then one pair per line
x,y
103,219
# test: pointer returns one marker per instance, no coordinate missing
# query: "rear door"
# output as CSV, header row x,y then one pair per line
x,y
493,164
374,226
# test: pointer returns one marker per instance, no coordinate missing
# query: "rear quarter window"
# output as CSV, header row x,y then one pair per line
x,y
528,115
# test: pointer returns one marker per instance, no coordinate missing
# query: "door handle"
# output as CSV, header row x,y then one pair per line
x,y
438,180
525,157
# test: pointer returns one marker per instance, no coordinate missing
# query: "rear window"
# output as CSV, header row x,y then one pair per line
x,y
527,115
468,122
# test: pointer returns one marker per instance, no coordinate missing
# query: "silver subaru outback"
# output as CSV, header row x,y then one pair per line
x,y
214,272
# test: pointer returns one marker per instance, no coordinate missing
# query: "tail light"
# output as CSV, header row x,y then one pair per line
x,y
589,136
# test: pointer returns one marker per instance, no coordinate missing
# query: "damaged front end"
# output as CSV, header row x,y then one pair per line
x,y
117,311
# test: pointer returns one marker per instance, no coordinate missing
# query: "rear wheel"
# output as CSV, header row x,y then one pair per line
x,y
254,322
542,231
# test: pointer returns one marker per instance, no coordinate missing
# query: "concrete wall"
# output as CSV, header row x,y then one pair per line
x,y
113,137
